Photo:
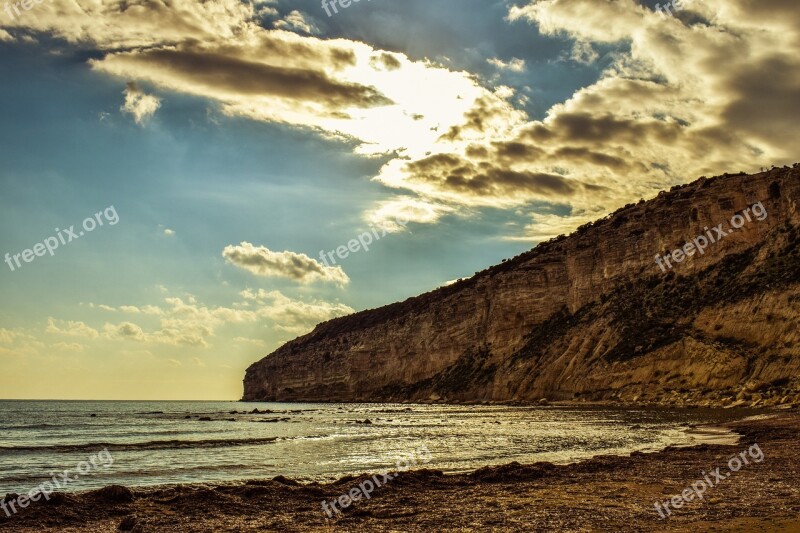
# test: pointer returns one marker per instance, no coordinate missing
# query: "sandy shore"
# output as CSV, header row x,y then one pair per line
x,y
606,493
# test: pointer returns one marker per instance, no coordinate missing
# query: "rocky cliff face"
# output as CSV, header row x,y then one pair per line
x,y
587,317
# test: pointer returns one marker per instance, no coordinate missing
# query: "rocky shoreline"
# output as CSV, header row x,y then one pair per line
x,y
733,398
604,493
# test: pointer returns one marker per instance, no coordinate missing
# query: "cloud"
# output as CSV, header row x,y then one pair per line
x,y
485,180
295,315
545,226
218,50
118,24
265,10
68,347
147,309
386,61
174,363
189,323
684,97
141,106
702,77
395,214
5,36
7,336
71,328
19,343
680,97
514,65
180,323
262,261
297,21
255,342
343,88
582,52
208,72
124,331
169,233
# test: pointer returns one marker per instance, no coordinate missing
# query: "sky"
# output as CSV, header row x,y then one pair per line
x,y
234,158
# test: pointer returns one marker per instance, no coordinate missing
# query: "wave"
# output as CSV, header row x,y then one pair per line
x,y
34,426
134,446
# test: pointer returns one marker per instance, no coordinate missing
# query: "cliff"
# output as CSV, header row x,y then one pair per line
x,y
587,317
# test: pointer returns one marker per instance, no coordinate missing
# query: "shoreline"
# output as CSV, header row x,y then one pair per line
x,y
600,493
790,406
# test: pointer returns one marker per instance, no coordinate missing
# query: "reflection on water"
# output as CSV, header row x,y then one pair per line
x,y
193,442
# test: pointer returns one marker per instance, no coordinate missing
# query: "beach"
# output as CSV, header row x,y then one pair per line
x,y
605,493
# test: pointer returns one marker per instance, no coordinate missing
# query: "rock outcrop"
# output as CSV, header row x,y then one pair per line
x,y
587,317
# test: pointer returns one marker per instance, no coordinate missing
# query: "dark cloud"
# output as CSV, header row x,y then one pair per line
x,y
301,52
476,151
601,130
476,118
385,61
516,150
767,11
450,173
761,106
505,182
434,163
125,330
242,77
595,158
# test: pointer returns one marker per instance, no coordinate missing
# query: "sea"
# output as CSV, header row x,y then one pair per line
x,y
145,444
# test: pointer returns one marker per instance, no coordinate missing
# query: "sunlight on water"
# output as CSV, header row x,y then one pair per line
x,y
194,442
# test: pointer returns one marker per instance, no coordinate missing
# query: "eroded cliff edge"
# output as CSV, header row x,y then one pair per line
x,y
590,316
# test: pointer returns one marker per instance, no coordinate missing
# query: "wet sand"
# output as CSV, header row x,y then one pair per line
x,y
606,493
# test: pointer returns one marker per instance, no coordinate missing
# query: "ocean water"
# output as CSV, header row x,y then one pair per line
x,y
154,443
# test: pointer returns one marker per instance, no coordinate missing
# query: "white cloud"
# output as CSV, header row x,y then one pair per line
x,y
262,261
117,24
395,214
168,232
142,106
286,312
514,65
192,324
71,328
297,21
583,52
255,342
